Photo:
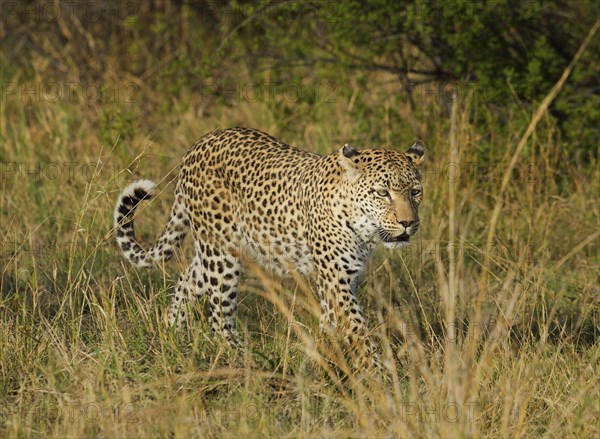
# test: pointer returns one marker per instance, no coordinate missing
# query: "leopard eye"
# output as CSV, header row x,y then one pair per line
x,y
415,192
383,193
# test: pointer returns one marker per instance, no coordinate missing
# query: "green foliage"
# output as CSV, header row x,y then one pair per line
x,y
116,125
506,53
507,49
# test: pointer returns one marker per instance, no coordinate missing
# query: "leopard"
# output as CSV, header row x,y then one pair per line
x,y
240,190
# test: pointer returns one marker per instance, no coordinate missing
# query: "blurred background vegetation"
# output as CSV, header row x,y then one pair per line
x,y
506,53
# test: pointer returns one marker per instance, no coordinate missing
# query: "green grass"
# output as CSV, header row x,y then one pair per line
x,y
85,350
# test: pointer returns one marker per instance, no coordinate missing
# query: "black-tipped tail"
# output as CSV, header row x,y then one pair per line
x,y
128,202
171,238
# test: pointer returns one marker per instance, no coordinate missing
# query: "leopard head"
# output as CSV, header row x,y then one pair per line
x,y
386,191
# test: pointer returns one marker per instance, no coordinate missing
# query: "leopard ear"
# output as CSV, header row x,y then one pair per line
x,y
348,159
349,152
416,152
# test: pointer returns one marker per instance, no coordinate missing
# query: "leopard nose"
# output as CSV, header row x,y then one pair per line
x,y
410,227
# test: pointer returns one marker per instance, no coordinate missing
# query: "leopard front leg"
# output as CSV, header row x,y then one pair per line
x,y
340,309
327,321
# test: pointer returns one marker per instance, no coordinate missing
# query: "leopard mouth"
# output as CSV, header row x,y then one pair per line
x,y
402,238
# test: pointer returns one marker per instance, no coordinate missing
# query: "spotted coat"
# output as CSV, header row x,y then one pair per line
x,y
243,192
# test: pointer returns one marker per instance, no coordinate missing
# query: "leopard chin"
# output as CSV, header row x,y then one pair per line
x,y
396,244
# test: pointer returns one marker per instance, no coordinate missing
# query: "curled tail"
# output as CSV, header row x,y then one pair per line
x,y
171,238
